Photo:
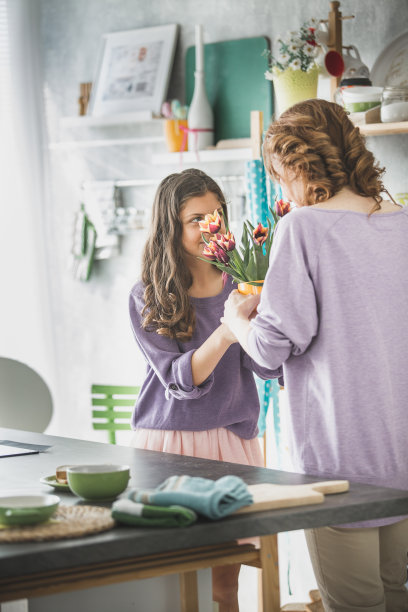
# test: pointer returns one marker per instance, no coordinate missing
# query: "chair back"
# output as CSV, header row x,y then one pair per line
x,y
25,399
112,401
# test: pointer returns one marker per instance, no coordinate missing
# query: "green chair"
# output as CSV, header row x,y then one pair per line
x,y
110,398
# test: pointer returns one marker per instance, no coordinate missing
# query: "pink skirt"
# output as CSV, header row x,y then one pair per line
x,y
219,444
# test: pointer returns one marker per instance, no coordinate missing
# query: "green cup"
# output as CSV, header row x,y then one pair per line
x,y
27,509
98,482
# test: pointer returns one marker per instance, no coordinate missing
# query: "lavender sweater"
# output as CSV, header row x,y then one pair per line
x,y
168,398
334,312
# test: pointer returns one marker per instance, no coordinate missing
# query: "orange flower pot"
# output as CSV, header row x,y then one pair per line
x,y
174,136
247,289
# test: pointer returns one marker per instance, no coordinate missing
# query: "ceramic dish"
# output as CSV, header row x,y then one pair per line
x,y
390,68
27,509
51,481
98,482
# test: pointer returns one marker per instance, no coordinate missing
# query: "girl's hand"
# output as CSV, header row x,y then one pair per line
x,y
239,306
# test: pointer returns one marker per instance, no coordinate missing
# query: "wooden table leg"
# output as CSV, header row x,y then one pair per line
x,y
270,601
188,592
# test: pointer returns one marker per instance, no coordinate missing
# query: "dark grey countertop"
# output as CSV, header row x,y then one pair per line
x,y
148,469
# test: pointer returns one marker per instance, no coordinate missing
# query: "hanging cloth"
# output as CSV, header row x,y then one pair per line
x,y
260,195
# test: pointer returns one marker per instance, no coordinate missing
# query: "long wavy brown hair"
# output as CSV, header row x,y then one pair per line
x,y
165,275
316,141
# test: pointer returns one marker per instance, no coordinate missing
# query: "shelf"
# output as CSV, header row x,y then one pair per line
x,y
111,142
107,120
382,129
208,155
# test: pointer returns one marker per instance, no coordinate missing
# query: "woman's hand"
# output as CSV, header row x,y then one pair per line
x,y
239,306
238,310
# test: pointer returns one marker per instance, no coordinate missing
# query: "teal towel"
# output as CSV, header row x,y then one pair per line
x,y
213,499
132,513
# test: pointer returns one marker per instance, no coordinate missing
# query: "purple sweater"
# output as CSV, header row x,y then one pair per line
x,y
168,398
334,312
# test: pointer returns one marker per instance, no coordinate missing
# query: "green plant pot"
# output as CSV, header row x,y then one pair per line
x,y
293,86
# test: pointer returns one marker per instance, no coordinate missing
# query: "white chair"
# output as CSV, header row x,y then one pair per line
x,y
25,400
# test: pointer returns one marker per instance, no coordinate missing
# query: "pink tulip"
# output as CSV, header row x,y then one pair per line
x,y
209,250
282,207
226,241
260,234
211,223
215,253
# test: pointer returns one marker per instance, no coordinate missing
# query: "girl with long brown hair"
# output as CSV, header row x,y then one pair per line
x,y
199,397
333,311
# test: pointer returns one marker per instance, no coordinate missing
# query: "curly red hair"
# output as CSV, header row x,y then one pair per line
x,y
317,142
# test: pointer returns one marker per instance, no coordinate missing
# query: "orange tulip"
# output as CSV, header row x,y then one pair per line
x,y
211,223
282,207
260,234
225,241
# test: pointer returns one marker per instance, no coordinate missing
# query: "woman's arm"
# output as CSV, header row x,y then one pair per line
x,y
184,375
287,320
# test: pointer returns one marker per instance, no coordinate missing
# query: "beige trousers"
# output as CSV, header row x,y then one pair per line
x,y
361,570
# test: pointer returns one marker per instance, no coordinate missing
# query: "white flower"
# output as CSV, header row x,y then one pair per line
x,y
295,64
283,57
309,50
293,47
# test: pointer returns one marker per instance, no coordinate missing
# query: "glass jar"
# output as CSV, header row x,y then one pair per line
x,y
394,104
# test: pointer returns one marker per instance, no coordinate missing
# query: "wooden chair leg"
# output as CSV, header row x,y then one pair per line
x,y
188,592
270,593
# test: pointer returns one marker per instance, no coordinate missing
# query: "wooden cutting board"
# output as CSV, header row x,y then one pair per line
x,y
235,84
269,496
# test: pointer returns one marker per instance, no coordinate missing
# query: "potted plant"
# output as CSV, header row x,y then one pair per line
x,y
294,69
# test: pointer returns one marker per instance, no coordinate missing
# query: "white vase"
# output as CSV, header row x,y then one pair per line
x,y
200,116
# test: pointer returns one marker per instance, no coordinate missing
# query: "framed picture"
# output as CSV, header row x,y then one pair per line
x,y
133,71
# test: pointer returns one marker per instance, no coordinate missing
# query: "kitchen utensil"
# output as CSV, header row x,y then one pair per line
x,y
51,481
394,104
353,65
358,99
98,482
27,509
235,84
269,496
166,110
390,67
333,61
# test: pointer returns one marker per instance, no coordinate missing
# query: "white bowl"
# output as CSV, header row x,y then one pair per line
x,y
27,509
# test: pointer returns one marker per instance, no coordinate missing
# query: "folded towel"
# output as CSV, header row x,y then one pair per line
x,y
213,499
142,515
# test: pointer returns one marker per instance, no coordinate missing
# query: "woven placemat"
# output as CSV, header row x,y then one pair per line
x,y
67,522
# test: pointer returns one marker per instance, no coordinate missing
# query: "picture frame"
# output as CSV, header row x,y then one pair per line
x,y
133,71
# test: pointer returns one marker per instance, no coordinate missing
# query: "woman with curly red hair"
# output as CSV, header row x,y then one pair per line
x,y
333,311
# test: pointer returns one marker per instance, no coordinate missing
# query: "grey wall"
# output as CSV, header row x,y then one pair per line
x,y
90,320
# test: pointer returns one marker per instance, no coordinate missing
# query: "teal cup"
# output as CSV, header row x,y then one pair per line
x,y
27,509
98,482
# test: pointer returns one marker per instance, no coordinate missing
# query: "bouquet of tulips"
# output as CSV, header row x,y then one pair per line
x,y
251,264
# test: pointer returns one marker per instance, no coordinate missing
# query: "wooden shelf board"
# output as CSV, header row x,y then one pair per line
x,y
382,129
